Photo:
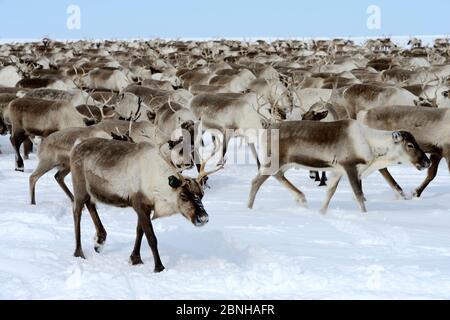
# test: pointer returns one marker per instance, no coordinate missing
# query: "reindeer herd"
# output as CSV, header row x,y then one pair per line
x,y
126,119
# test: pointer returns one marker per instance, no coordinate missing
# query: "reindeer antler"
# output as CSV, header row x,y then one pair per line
x,y
77,79
203,173
258,109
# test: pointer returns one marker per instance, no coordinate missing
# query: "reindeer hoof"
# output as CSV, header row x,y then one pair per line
x,y
79,254
158,269
403,196
20,169
136,260
99,243
323,184
323,211
302,202
417,193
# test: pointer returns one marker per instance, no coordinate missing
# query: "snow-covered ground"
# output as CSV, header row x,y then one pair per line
x,y
401,249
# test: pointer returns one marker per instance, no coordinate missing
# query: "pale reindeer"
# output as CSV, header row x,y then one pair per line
x,y
241,113
343,147
103,78
429,126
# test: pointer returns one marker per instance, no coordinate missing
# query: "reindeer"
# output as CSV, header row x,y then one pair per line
x,y
344,147
103,79
9,76
195,78
5,99
38,117
351,100
237,82
157,84
128,104
238,112
429,126
54,151
75,97
415,43
126,174
172,116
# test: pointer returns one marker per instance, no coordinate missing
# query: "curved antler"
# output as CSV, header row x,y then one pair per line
x,y
203,173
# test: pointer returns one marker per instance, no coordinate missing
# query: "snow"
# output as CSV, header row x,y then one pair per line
x,y
276,251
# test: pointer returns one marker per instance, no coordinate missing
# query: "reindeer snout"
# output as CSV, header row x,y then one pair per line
x,y
201,220
424,165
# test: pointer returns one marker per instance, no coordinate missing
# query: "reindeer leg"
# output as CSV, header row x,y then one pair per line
x,y
392,183
226,141
432,172
77,210
299,196
100,238
355,183
256,184
254,154
332,186
81,197
27,148
323,179
143,213
135,257
17,138
59,177
361,186
42,168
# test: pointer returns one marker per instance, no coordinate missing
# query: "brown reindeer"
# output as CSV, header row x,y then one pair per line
x,y
38,117
125,174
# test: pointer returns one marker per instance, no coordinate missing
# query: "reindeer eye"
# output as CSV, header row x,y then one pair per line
x,y
410,146
184,197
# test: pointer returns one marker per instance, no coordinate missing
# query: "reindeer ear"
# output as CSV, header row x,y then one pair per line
x,y
397,136
120,137
89,122
264,124
173,143
323,114
151,116
174,182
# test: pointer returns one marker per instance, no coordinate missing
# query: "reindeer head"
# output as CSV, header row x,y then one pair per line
x,y
189,199
131,106
409,151
317,112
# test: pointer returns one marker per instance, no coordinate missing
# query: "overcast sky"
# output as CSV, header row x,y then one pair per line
x,y
225,18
